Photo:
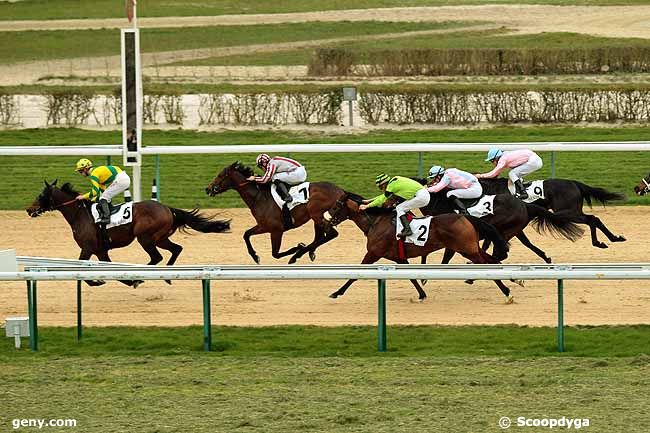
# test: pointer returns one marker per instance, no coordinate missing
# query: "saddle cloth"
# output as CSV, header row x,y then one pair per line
x,y
484,207
535,190
120,214
299,193
420,229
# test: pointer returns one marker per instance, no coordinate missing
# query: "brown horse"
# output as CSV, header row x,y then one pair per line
x,y
455,232
267,214
152,225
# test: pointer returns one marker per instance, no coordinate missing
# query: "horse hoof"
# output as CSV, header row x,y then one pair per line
x,y
510,300
548,260
602,245
469,281
136,283
334,295
293,260
169,282
95,283
620,239
256,258
312,256
521,283
424,282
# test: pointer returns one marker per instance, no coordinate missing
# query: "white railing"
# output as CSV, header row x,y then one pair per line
x,y
45,269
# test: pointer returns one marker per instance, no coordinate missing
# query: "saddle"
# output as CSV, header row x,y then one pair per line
x,y
470,202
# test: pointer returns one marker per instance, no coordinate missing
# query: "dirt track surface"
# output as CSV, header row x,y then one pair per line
x,y
611,21
249,303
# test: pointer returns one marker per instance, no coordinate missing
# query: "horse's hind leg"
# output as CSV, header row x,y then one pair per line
x,y
584,219
320,238
528,244
600,225
482,257
170,246
149,245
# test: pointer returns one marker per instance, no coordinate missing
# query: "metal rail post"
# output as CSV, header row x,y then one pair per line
x,y
381,320
207,317
560,315
33,316
79,328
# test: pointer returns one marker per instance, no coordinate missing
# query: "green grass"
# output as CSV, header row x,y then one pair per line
x,y
21,46
67,9
616,171
294,378
461,39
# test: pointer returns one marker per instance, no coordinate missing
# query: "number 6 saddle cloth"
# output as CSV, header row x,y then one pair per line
x,y
120,214
299,193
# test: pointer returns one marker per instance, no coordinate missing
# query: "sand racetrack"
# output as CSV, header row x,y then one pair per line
x,y
279,302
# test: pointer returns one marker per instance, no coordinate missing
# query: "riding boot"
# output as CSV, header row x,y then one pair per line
x,y
283,191
104,212
406,226
460,206
521,191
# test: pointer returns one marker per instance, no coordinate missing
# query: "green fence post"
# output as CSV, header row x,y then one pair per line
x,y
207,317
79,310
33,315
381,321
108,160
158,178
560,315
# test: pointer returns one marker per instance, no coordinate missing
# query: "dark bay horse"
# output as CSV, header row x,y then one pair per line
x,y
643,187
268,215
455,232
153,223
568,195
510,217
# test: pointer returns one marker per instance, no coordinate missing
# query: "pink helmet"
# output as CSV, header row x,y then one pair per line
x,y
262,160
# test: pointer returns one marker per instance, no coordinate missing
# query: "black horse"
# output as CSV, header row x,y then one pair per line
x,y
510,217
568,195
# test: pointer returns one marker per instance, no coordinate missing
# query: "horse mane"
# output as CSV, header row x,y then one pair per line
x,y
354,197
378,211
69,189
241,168
420,180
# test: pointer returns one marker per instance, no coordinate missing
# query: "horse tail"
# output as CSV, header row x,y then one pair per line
x,y
600,194
487,231
558,224
194,220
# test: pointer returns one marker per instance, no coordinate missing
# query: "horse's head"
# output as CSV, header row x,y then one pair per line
x,y
44,202
342,209
232,176
644,186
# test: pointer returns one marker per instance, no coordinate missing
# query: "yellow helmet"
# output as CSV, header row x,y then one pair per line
x,y
84,163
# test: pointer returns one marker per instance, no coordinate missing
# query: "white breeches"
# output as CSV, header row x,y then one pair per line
x,y
121,183
294,177
534,163
474,191
421,199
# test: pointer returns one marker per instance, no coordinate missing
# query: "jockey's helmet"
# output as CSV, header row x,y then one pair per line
x,y
436,171
84,163
381,179
262,160
494,153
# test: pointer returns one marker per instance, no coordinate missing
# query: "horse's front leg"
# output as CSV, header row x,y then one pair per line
x,y
276,243
256,230
321,237
103,256
85,255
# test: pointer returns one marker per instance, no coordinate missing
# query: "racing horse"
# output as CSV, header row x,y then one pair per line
x,y
152,225
643,187
455,232
568,195
268,215
510,216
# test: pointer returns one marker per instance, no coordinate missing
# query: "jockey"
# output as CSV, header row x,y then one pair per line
x,y
283,172
107,182
460,183
414,196
522,162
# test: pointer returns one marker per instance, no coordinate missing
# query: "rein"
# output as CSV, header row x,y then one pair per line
x,y
66,203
